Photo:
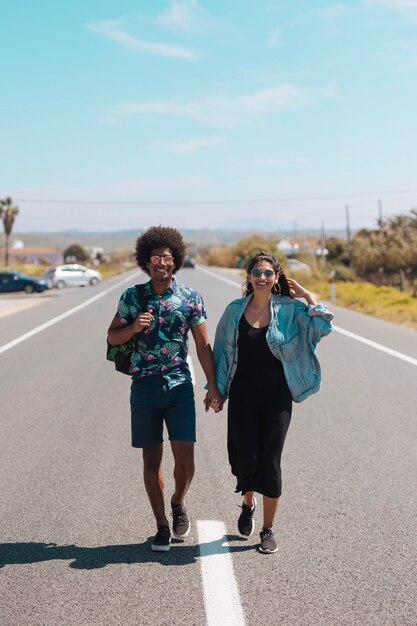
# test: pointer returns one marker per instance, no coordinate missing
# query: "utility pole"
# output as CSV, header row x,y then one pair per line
x,y
379,211
348,234
323,245
322,237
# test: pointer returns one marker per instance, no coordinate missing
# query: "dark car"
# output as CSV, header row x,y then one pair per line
x,y
189,262
17,281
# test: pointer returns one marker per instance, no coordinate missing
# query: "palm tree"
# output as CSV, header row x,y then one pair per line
x,y
7,212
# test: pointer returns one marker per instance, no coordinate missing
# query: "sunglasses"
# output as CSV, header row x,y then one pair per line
x,y
167,258
258,272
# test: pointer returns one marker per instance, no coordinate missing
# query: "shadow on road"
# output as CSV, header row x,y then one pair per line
x,y
95,558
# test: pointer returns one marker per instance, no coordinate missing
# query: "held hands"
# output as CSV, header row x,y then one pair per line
x,y
213,400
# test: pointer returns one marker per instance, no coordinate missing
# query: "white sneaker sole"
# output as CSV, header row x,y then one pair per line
x,y
183,536
267,551
157,548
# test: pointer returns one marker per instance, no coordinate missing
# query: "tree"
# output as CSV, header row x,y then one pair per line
x,y
389,254
247,247
338,250
75,251
8,213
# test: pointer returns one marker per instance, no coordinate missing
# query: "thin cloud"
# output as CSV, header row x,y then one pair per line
x,y
194,144
186,16
395,4
113,32
275,38
222,110
334,11
272,99
279,162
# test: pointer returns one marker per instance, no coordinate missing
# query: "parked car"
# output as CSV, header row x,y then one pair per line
x,y
17,281
72,275
189,262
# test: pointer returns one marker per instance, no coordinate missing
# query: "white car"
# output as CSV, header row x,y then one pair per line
x,y
72,275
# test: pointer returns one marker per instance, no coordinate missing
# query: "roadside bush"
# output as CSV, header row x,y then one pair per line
x,y
222,256
344,273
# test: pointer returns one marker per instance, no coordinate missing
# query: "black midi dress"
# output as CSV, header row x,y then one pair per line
x,y
259,414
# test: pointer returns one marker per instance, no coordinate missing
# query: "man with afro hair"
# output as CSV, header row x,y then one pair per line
x,y
162,389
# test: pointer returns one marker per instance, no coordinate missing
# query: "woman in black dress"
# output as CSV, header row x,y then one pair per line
x,y
260,400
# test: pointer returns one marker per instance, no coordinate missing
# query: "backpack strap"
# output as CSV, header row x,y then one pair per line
x,y
143,302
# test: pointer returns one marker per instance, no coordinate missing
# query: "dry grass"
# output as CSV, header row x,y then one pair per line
x,y
383,302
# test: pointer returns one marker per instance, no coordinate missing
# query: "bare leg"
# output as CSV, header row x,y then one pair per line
x,y
183,452
154,482
248,498
270,510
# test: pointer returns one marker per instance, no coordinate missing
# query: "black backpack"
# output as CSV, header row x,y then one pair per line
x,y
121,355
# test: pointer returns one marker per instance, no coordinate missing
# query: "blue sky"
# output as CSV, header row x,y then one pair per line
x,y
193,113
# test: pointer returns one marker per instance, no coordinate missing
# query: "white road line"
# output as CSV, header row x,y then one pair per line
x,y
59,318
221,593
342,331
377,346
229,281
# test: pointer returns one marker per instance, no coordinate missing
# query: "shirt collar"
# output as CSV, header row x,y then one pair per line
x,y
169,290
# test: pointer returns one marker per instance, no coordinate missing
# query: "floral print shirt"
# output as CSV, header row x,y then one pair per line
x,y
162,348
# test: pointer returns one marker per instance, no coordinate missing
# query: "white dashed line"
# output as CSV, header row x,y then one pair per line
x,y
221,593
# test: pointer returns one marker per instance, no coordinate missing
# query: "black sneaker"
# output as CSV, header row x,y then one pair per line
x,y
161,541
246,523
268,543
180,521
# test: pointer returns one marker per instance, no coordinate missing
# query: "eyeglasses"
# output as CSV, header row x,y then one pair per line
x,y
258,272
167,258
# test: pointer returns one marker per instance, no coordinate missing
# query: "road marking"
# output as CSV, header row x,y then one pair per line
x,y
377,346
221,593
229,281
368,342
59,318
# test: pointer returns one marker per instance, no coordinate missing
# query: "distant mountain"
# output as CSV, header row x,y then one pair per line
x,y
254,225
193,237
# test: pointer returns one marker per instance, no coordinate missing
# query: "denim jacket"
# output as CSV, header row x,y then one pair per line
x,y
293,333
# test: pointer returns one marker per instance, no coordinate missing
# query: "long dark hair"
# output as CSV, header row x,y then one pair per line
x,y
281,288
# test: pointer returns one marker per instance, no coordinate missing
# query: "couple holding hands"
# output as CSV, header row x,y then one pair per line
x,y
262,360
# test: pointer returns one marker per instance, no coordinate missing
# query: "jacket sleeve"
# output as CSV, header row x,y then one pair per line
x,y
315,320
220,352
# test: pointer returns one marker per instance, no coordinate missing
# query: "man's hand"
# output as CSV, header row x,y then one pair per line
x,y
143,320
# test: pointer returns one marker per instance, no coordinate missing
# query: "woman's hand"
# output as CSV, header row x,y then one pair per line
x,y
298,291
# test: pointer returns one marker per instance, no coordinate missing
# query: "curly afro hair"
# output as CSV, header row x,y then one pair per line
x,y
159,237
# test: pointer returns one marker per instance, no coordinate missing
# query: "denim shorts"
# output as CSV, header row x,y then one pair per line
x,y
152,404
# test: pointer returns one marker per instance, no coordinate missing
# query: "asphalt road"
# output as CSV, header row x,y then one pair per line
x,y
75,523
